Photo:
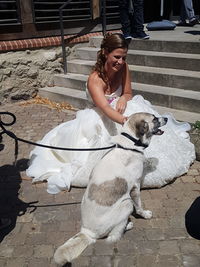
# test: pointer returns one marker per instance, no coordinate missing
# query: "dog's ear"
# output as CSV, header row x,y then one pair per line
x,y
142,127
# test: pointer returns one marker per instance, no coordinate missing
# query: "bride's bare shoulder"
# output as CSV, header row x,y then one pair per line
x,y
94,79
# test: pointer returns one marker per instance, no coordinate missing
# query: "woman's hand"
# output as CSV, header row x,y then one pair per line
x,y
121,105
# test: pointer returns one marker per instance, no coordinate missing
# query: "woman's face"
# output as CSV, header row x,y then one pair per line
x,y
116,59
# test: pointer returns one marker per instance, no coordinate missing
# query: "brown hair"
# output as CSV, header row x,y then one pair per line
x,y
109,43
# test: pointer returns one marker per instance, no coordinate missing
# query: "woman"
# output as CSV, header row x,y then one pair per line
x,y
110,95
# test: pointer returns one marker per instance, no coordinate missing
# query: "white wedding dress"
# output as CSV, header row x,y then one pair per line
x,y
168,156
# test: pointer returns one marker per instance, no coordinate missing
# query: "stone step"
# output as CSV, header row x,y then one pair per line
x,y
71,80
182,79
158,95
182,61
160,45
78,99
169,97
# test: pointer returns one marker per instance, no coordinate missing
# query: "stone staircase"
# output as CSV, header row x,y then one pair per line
x,y
167,73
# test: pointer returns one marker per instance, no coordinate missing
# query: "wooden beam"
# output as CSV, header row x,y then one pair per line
x,y
96,9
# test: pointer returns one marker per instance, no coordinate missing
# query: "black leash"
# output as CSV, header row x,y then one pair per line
x,y
130,149
17,139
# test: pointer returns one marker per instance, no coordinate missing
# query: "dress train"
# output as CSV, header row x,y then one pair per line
x,y
168,156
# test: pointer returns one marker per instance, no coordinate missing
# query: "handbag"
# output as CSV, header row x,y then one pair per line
x,y
161,25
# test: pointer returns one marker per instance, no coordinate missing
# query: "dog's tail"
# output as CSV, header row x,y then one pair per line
x,y
73,248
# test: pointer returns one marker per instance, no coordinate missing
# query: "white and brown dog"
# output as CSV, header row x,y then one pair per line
x,y
114,188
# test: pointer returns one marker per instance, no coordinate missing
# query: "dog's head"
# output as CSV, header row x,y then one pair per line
x,y
144,125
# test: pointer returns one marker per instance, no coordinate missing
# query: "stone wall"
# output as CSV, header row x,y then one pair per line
x,y
22,73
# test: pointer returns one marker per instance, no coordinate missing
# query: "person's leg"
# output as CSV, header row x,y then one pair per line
x,y
189,10
125,17
137,23
183,15
138,16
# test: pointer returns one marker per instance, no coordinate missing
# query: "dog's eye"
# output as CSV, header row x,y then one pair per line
x,y
156,122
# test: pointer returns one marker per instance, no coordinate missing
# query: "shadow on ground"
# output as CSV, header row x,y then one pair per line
x,y
10,205
193,32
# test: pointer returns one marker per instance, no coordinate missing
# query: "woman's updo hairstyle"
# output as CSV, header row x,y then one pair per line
x,y
110,42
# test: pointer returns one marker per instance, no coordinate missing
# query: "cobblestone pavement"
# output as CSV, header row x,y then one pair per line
x,y
41,222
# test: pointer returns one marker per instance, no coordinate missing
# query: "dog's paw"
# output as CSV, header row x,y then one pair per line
x,y
113,238
147,214
129,226
59,257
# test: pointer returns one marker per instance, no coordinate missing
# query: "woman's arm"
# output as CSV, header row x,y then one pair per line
x,y
96,88
126,90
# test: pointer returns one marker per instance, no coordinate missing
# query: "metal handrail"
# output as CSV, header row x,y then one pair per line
x,y
104,17
103,5
62,35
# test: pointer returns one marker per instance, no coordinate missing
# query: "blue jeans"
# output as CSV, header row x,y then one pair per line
x,y
187,11
131,22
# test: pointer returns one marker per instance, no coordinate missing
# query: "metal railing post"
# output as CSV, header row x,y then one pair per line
x,y
62,35
104,17
63,42
103,12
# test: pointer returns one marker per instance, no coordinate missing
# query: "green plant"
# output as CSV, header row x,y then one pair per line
x,y
196,125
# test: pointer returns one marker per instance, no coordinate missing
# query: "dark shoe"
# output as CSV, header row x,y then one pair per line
x,y
182,23
193,22
127,36
141,35
4,222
